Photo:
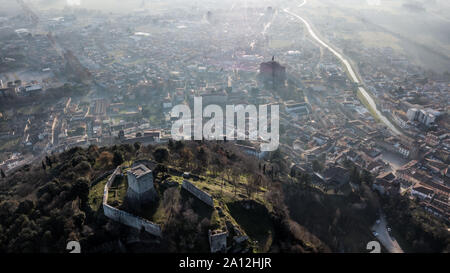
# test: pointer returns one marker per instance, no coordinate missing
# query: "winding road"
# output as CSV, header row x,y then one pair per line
x,y
383,235
351,71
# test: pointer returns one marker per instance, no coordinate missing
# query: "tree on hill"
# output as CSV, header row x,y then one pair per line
x,y
179,145
171,145
186,157
202,156
81,190
421,231
161,155
253,183
83,167
118,158
317,167
235,178
137,146
228,173
366,177
48,161
25,207
105,159
160,168
354,176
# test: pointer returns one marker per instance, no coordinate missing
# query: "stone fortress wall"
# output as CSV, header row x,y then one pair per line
x,y
125,217
203,196
217,240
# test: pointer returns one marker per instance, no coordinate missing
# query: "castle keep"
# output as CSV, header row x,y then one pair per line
x,y
140,184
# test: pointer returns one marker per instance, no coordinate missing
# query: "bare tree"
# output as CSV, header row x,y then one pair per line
x,y
254,181
236,175
171,202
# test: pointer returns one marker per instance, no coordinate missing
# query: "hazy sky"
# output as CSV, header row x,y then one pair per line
x,y
431,26
130,5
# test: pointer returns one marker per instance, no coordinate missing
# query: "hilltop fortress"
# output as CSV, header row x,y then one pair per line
x,y
141,191
123,216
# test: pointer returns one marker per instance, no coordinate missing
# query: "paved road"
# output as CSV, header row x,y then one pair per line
x,y
302,4
383,235
350,70
385,239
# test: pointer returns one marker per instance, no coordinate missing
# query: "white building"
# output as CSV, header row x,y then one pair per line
x,y
426,117
402,149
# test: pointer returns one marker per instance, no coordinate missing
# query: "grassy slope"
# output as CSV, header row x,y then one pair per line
x,y
255,222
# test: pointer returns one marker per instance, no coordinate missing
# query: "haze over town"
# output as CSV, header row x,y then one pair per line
x,y
88,98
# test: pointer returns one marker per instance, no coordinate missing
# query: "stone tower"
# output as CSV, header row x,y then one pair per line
x,y
140,185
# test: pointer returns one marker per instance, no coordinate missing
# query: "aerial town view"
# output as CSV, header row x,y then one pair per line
x,y
232,126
